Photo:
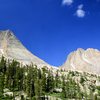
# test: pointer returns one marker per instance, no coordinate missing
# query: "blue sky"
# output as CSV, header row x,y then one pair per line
x,y
51,29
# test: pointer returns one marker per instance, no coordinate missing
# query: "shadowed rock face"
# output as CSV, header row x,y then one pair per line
x,y
84,61
11,48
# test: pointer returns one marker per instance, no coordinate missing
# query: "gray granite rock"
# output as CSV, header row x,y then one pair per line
x,y
12,48
83,61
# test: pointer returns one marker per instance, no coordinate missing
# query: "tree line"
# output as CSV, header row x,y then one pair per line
x,y
34,82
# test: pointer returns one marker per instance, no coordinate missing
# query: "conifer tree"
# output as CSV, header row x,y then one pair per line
x,y
44,80
3,65
1,83
63,87
57,79
50,82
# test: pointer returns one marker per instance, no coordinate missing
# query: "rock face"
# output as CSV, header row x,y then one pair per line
x,y
83,61
11,48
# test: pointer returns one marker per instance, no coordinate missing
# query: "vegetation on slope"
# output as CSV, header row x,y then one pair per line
x,y
18,82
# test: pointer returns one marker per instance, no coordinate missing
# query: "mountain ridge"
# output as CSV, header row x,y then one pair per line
x,y
83,60
12,48
80,60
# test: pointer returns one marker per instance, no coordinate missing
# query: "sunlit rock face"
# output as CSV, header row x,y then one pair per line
x,y
12,48
84,61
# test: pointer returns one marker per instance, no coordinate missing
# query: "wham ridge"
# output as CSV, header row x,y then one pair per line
x,y
79,60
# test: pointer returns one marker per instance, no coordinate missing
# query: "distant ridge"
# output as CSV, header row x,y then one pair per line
x,y
79,60
83,61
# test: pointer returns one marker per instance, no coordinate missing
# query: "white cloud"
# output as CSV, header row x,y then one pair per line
x,y
80,12
67,2
98,0
80,6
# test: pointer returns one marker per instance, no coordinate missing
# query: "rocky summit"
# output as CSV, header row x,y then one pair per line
x,y
80,60
12,48
83,61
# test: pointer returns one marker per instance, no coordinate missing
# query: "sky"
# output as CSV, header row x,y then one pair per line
x,y
51,29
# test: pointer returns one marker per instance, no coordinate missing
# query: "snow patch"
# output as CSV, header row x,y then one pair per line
x,y
1,50
73,66
84,58
8,93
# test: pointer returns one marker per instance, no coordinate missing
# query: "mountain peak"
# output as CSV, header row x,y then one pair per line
x,y
91,49
80,49
84,60
6,32
12,48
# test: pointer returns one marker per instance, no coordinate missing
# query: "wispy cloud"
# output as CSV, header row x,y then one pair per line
x,y
98,0
80,12
67,2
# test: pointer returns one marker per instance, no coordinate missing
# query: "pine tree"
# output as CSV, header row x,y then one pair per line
x,y
3,65
1,83
38,89
2,74
50,82
63,87
57,79
44,80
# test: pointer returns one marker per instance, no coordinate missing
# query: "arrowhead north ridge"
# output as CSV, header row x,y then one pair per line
x,y
79,60
24,76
